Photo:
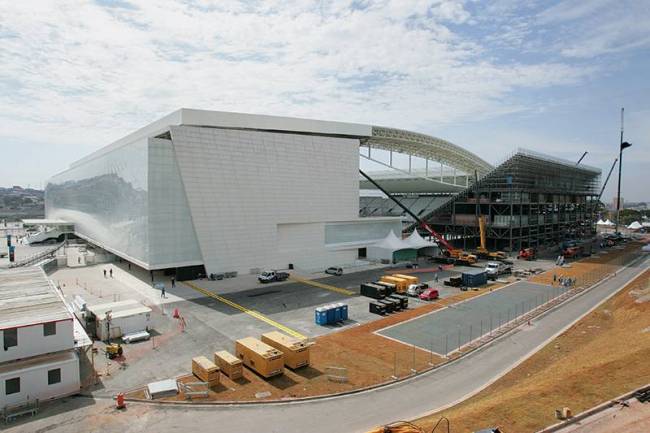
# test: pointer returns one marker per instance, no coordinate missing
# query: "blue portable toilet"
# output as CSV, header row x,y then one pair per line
x,y
344,311
331,314
338,313
320,316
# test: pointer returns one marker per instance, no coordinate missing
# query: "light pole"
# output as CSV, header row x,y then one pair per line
x,y
624,145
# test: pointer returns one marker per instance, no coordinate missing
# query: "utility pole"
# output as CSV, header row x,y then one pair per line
x,y
624,145
620,164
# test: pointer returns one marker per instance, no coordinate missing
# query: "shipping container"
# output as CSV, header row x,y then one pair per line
x,y
401,285
229,364
474,278
205,370
295,350
377,308
390,287
410,278
389,305
260,357
372,290
404,300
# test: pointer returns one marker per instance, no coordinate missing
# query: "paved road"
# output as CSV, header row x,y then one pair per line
x,y
354,413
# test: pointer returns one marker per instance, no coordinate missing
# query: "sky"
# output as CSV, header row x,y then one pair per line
x,y
490,76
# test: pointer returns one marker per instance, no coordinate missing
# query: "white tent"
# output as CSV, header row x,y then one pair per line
x,y
423,246
609,223
416,241
386,248
635,226
601,222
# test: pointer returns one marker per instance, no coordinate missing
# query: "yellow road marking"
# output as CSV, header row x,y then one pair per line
x,y
252,313
322,286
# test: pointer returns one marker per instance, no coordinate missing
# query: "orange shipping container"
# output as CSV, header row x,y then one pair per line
x,y
410,278
295,350
260,357
401,285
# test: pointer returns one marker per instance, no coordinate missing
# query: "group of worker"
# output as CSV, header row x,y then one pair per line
x,y
564,281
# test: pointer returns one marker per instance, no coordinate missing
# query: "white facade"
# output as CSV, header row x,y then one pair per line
x,y
228,191
37,378
32,340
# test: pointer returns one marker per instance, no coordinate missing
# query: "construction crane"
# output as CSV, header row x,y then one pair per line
x,y
450,250
607,179
482,251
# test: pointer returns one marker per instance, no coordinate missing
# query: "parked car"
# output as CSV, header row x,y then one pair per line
x,y
494,269
272,276
416,289
429,295
334,271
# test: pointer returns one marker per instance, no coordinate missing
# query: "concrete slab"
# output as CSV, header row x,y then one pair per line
x,y
443,331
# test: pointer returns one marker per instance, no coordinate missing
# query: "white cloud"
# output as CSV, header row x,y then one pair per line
x,y
81,73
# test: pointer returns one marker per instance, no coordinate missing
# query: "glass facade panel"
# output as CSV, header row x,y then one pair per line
x,y
107,199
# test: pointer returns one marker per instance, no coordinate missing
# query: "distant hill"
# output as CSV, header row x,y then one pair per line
x,y
18,203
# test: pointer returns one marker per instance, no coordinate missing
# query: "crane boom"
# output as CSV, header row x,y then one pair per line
x,y
424,225
607,179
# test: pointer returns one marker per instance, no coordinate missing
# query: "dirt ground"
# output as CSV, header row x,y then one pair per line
x,y
589,270
601,357
358,354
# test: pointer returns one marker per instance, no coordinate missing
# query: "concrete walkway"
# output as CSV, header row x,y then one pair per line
x,y
354,413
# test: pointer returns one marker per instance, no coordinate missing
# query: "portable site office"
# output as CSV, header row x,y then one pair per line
x,y
260,357
296,351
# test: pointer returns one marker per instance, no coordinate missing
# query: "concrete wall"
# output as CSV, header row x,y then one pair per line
x,y
34,383
261,199
32,342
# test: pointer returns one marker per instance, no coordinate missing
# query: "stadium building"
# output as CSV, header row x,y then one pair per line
x,y
205,191
202,192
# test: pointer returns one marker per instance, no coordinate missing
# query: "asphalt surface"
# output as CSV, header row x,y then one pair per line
x,y
353,413
446,330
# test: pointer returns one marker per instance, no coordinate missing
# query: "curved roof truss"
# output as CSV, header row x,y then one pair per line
x,y
427,147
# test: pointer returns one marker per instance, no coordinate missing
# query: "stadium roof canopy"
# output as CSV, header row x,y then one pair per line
x,y
376,137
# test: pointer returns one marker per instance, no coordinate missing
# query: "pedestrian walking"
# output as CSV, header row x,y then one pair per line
x,y
162,292
104,273
78,260
436,278
554,278
173,282
111,272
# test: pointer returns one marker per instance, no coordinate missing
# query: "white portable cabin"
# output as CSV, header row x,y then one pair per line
x,y
126,317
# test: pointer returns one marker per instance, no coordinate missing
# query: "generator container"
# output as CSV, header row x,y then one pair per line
x,y
295,350
229,364
266,360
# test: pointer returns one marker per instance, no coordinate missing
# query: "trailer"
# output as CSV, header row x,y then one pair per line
x,y
390,287
267,361
403,300
295,350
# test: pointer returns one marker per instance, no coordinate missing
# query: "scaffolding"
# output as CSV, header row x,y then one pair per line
x,y
529,200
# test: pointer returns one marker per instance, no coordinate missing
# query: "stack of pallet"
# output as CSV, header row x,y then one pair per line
x,y
205,370
295,350
229,364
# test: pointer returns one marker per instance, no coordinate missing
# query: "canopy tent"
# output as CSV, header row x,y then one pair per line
x,y
392,248
635,226
609,223
423,246
601,222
